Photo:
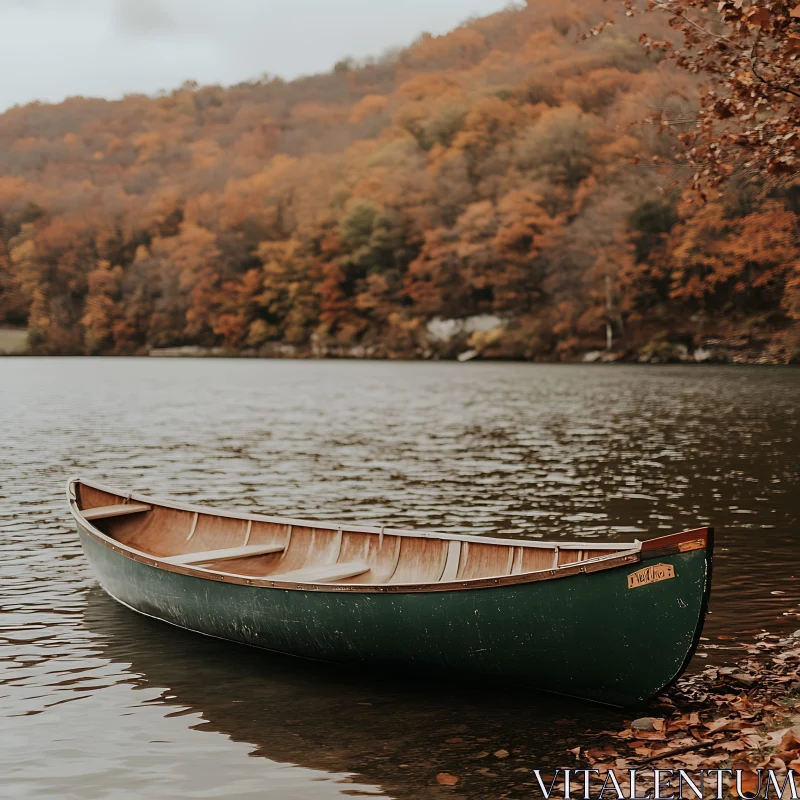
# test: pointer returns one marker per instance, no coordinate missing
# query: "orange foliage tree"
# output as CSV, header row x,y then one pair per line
x,y
483,173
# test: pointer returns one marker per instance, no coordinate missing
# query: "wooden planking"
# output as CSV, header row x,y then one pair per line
x,y
421,561
272,539
328,573
308,547
391,558
76,484
380,552
484,560
534,560
215,533
117,510
89,497
569,556
229,554
162,532
269,533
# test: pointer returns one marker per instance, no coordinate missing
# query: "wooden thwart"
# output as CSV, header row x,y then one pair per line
x,y
104,512
326,574
229,554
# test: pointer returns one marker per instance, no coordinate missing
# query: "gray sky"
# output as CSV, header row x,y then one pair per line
x,y
51,49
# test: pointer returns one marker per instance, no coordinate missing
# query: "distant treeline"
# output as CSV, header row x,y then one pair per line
x,y
501,172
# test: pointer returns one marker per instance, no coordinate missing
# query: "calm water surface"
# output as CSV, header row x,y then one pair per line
x,y
96,702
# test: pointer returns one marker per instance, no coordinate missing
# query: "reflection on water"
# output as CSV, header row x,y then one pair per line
x,y
98,702
393,732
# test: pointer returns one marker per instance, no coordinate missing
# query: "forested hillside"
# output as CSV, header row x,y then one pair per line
x,y
493,190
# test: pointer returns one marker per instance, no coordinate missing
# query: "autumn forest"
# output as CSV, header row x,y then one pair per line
x,y
508,190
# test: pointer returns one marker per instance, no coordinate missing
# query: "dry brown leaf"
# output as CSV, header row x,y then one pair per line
x,y
731,747
795,12
501,753
749,779
742,702
691,760
776,738
753,740
718,724
651,736
446,779
760,17
791,739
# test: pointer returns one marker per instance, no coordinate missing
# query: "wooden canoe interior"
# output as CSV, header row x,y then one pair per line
x,y
302,553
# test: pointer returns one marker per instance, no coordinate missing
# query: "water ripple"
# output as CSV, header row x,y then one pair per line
x,y
92,697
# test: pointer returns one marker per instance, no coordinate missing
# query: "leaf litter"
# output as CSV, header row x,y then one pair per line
x,y
743,717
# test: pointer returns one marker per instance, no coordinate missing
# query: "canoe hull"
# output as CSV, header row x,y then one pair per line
x,y
597,636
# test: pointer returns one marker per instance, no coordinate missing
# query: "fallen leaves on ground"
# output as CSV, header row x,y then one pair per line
x,y
720,717
446,779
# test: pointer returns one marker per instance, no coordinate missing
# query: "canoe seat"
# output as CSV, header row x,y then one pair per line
x,y
120,510
326,574
229,554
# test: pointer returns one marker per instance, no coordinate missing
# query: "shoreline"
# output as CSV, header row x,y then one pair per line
x,y
661,349
233,355
744,717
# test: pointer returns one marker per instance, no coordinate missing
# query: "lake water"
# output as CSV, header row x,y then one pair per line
x,y
98,702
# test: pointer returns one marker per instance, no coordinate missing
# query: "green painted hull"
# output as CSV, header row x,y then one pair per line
x,y
587,635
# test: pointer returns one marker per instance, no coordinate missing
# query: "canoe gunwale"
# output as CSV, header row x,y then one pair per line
x,y
656,548
336,526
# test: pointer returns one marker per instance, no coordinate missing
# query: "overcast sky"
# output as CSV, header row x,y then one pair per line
x,y
51,49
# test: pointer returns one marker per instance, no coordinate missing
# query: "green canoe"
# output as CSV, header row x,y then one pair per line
x,y
615,623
